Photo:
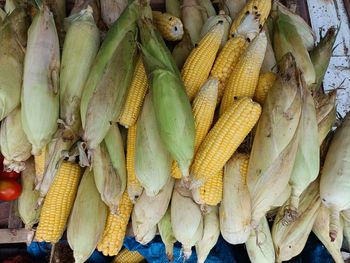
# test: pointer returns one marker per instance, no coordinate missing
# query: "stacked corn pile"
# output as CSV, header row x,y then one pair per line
x,y
212,137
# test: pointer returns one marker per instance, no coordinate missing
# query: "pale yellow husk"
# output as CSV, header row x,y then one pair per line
x,y
192,19
269,62
111,10
173,7
167,234
346,224
233,7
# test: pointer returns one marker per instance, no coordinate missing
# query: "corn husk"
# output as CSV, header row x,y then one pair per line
x,y
287,39
346,227
192,19
268,174
211,232
2,16
167,234
284,196
41,81
321,230
27,200
87,219
186,219
173,7
111,10
235,227
290,239
80,5
148,237
13,32
15,146
207,8
58,8
152,161
260,248
11,5
233,7
182,50
212,21
269,62
148,211
307,161
335,175
321,55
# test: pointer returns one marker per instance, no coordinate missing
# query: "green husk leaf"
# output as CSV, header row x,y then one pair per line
x,y
167,234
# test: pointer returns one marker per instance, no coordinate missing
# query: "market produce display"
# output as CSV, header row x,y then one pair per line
x,y
207,118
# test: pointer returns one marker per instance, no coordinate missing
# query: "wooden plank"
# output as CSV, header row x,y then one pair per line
x,y
4,214
14,220
10,236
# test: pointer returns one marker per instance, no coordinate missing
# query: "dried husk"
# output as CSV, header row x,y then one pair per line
x,y
87,219
192,19
166,233
15,146
269,62
58,8
152,161
41,81
211,232
148,211
290,238
2,15
111,10
11,5
268,174
346,227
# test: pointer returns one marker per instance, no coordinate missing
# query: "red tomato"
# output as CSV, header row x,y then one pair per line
x,y
9,175
9,189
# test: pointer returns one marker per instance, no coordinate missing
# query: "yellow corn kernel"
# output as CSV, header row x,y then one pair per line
x,y
224,139
266,81
211,190
226,61
245,75
259,9
133,184
127,256
201,59
136,94
58,203
169,26
113,236
175,171
39,164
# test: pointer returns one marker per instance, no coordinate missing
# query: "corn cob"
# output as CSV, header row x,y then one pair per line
x,y
258,10
266,81
133,184
172,107
135,97
290,239
15,146
153,173
245,75
27,200
40,82
321,230
191,15
169,26
259,244
39,163
334,190
235,227
148,211
211,232
83,236
127,256
186,219
227,60
182,50
173,7
113,235
201,59
167,234
58,203
229,131
111,10
13,28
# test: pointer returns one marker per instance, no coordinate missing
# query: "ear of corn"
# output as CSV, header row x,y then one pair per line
x,y
58,203
289,240
81,5
148,237
27,200
171,106
58,8
223,139
111,10
235,227
112,238
13,28
346,224
173,7
334,190
269,62
133,184
211,232
259,244
136,94
282,110
208,7
167,234
266,81
182,50
169,26
227,60
40,161
41,82
245,75
15,146
87,220
201,59
321,230
191,15
282,198
127,256
148,211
